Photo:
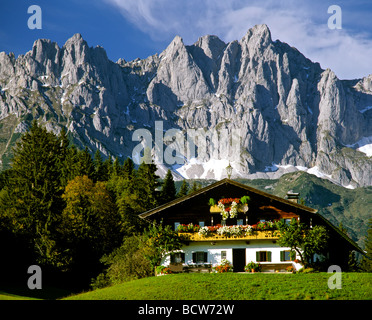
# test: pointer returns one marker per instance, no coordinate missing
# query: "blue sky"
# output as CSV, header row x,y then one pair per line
x,y
138,28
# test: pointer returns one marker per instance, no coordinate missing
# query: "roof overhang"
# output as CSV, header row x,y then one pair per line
x,y
226,181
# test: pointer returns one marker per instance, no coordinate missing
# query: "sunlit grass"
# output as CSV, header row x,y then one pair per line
x,y
232,286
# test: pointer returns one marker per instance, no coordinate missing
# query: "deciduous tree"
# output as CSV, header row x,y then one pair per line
x,y
305,241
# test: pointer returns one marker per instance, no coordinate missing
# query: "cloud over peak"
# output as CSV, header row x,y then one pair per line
x,y
305,26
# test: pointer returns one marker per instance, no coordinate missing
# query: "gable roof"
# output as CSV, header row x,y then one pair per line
x,y
218,184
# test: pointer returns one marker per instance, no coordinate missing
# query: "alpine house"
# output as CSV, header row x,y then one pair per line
x,y
232,221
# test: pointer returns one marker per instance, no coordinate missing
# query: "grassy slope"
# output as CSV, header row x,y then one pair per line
x,y
232,286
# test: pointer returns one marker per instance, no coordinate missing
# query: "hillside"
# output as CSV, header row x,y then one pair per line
x,y
236,286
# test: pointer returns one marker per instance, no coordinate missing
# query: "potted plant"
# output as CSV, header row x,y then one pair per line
x,y
252,267
162,270
224,266
290,269
244,201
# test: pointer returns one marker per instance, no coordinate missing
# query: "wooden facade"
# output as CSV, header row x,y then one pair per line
x,y
194,208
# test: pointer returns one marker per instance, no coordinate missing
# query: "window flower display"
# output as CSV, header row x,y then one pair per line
x,y
229,207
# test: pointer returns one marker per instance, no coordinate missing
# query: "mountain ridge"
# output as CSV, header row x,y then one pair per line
x,y
289,112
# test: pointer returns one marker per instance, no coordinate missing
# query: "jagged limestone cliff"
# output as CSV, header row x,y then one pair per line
x,y
290,113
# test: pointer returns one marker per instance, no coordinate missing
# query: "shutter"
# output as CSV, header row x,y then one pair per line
x,y
282,255
269,256
182,257
205,256
194,257
172,258
257,256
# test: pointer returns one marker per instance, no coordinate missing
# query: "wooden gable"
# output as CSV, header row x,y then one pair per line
x,y
194,208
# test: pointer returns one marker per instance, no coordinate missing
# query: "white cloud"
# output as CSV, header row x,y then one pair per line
x,y
302,25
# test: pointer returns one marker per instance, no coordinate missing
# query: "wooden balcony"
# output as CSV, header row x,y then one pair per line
x,y
256,235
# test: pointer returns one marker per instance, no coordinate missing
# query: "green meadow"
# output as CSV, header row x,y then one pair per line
x,y
237,286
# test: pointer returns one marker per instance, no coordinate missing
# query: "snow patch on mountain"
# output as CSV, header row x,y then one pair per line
x,y
363,145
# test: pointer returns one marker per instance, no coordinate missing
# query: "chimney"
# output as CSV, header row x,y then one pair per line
x,y
292,196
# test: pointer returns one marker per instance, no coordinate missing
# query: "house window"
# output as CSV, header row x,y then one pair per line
x,y
263,256
201,223
285,255
176,224
223,255
200,257
178,257
239,222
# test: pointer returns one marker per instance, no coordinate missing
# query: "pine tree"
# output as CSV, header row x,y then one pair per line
x,y
128,168
101,168
116,168
147,182
84,165
195,187
183,190
168,191
32,199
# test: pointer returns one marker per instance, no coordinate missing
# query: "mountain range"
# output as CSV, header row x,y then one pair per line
x,y
290,114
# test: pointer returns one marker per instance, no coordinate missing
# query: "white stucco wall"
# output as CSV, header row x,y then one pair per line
x,y
214,251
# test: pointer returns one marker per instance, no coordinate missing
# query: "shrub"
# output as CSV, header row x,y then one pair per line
x,y
256,267
289,269
124,264
224,266
163,270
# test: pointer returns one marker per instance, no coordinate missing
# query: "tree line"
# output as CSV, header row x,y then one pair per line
x,y
63,209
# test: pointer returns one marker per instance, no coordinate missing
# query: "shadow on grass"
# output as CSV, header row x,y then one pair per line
x,y
8,292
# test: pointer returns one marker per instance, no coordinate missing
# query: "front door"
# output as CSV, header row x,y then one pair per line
x,y
238,260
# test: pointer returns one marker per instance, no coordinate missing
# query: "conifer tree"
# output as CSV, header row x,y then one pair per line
x,y
85,165
32,199
183,190
130,198
101,168
116,168
128,168
168,191
195,187
148,183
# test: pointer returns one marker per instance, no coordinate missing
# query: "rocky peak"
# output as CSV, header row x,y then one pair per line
x,y
290,113
212,46
259,36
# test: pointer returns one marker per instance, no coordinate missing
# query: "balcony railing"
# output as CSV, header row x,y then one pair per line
x,y
255,235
